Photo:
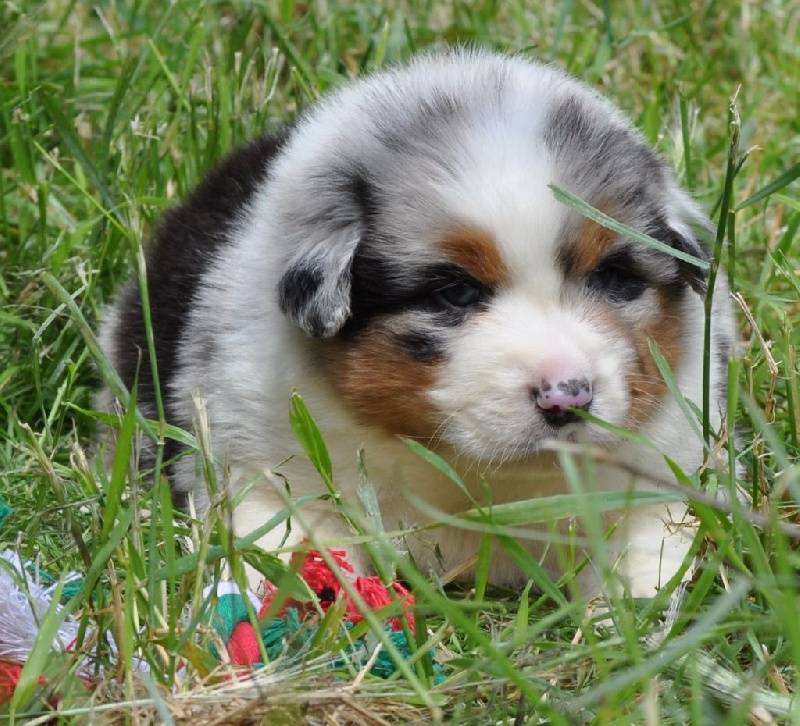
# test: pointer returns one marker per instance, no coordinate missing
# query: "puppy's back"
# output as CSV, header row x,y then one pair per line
x,y
186,243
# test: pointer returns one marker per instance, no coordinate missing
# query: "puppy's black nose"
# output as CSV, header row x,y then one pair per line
x,y
555,398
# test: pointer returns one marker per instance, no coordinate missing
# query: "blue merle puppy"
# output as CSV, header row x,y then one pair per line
x,y
398,256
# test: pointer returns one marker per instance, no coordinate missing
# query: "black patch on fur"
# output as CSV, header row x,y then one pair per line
x,y
618,277
185,245
690,274
420,345
383,287
298,286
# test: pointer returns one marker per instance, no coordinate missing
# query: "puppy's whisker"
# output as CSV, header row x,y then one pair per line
x,y
438,436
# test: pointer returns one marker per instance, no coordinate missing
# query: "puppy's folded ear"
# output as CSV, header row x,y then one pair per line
x,y
688,241
687,227
315,288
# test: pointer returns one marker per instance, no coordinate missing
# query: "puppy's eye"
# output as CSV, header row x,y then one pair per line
x,y
617,281
460,294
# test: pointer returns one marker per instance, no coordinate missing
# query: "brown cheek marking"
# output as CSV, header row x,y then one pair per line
x,y
646,387
646,384
590,246
384,386
476,251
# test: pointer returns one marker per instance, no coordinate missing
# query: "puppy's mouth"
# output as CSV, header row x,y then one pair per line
x,y
576,433
530,447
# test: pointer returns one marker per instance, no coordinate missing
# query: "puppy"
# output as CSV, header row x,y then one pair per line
x,y
398,256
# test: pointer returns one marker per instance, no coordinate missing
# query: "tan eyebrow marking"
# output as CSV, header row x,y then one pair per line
x,y
475,250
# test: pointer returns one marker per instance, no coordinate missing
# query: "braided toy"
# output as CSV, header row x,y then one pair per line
x,y
292,626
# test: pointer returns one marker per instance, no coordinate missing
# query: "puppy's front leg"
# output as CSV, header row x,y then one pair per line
x,y
649,547
317,525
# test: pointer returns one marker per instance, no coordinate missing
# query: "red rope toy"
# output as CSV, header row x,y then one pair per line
x,y
278,634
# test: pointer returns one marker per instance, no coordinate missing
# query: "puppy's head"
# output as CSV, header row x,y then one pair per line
x,y
454,298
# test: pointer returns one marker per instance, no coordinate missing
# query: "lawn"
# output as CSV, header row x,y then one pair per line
x,y
111,112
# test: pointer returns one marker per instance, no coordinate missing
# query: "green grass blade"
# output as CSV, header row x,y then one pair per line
x,y
120,467
782,181
586,210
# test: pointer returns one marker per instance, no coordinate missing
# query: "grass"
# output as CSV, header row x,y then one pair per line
x,y
110,112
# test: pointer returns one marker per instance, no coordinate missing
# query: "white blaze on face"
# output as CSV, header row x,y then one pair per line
x,y
535,330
